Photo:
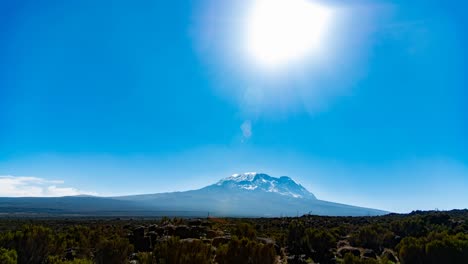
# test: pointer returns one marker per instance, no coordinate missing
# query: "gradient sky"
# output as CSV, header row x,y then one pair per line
x,y
119,97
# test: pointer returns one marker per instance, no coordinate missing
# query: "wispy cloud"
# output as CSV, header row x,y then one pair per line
x,y
246,128
25,186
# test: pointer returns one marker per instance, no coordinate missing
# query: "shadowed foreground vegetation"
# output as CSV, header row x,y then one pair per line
x,y
419,237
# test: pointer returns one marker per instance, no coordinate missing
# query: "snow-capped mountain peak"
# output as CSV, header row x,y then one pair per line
x,y
260,182
247,176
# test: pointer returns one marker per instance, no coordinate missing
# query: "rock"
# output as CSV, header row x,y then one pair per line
x,y
206,224
153,237
397,239
207,241
265,240
133,256
390,255
347,249
369,253
159,230
161,240
152,228
146,246
169,230
195,222
342,243
139,231
221,240
131,239
198,231
141,242
189,240
70,254
297,259
211,234
182,232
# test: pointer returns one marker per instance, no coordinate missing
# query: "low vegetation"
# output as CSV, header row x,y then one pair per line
x,y
419,237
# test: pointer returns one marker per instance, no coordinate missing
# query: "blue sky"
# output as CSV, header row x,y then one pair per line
x,y
123,98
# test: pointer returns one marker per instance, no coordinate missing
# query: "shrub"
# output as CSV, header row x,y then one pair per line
x,y
447,249
351,259
435,248
174,251
145,258
58,260
296,231
33,244
245,251
8,256
245,230
318,244
113,250
411,251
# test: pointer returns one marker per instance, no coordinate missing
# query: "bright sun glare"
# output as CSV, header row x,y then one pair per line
x,y
283,31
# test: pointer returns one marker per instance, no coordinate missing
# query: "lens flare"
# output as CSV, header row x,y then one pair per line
x,y
280,32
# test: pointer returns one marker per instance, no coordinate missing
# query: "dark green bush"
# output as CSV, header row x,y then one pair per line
x,y
8,256
295,241
59,260
113,250
245,251
375,237
245,230
318,244
435,248
33,244
174,251
351,259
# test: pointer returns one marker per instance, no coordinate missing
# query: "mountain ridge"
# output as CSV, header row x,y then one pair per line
x,y
254,181
239,195
250,194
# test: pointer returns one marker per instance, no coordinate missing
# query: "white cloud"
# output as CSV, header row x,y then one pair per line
x,y
25,186
246,128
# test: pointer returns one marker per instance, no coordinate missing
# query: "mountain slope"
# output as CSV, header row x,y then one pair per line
x,y
247,194
251,194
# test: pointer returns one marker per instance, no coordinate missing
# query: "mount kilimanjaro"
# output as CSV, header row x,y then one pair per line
x,y
240,195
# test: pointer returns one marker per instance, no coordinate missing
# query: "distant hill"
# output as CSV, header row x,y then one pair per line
x,y
241,195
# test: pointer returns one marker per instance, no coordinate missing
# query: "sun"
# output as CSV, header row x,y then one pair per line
x,y
280,32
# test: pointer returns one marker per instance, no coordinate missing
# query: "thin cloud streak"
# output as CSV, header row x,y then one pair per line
x,y
246,128
27,186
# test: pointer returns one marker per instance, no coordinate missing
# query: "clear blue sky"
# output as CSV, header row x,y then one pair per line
x,y
119,97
